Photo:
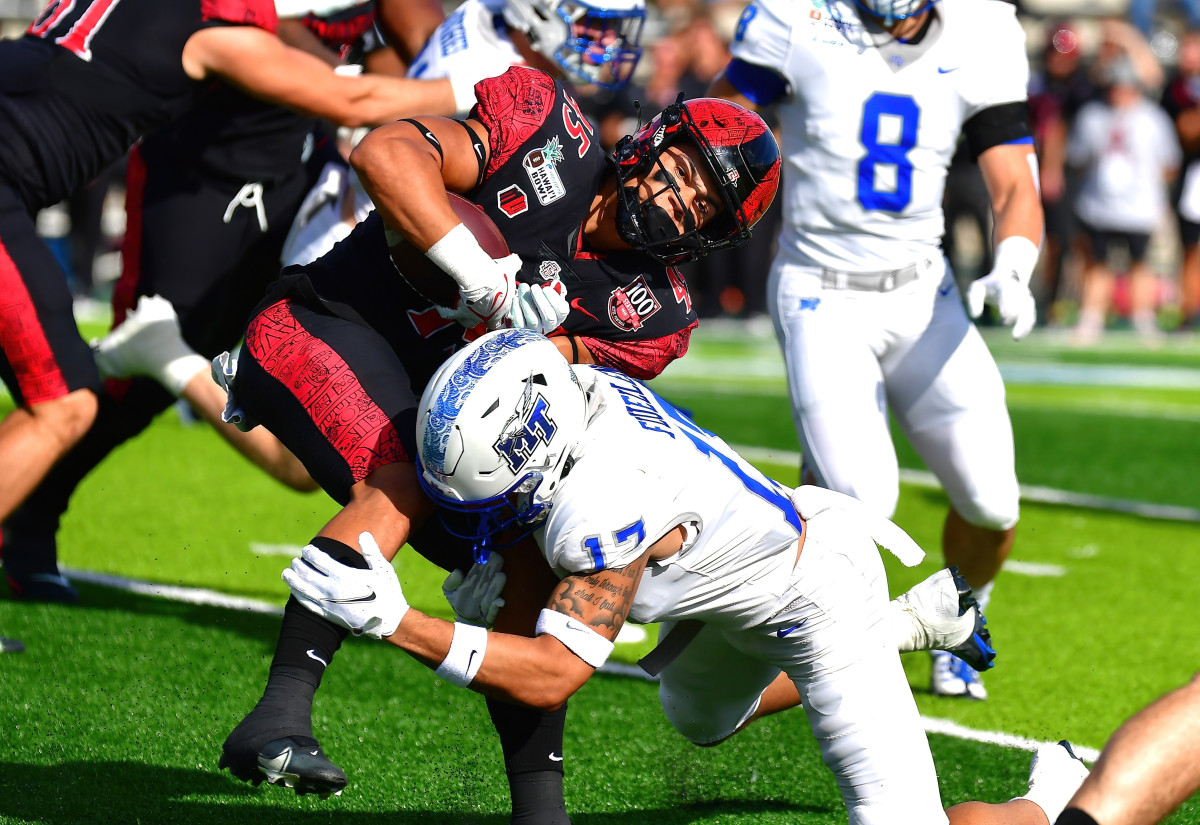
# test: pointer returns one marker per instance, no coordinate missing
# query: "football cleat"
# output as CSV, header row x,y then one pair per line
x,y
31,568
945,616
1055,774
298,762
294,761
10,645
953,677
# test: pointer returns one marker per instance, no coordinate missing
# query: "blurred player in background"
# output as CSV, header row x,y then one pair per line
x,y
872,98
83,84
334,364
788,584
210,198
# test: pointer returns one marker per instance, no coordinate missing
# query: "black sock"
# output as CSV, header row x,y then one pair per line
x,y
1074,816
307,643
533,760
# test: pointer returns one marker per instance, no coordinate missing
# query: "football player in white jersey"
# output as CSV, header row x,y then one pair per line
x,y
645,515
872,97
586,41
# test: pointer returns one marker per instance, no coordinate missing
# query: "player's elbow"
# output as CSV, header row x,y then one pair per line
x,y
562,675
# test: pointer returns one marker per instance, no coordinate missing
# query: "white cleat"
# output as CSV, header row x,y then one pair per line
x,y
1055,774
138,345
952,676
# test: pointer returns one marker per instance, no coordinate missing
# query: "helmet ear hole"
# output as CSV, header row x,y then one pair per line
x,y
520,412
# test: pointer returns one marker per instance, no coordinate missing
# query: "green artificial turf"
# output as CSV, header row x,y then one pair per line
x,y
117,710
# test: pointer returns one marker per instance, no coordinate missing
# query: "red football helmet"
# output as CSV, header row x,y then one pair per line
x,y
742,159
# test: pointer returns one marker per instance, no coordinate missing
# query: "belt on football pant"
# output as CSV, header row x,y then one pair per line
x,y
677,638
883,281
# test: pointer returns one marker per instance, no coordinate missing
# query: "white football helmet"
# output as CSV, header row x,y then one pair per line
x,y
593,42
496,427
889,11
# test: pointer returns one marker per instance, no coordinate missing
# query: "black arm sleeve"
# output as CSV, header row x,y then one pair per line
x,y
1005,123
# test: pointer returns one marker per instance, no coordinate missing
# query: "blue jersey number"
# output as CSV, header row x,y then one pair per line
x,y
754,481
892,154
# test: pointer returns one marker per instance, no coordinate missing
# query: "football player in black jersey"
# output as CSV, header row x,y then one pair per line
x,y
76,91
337,353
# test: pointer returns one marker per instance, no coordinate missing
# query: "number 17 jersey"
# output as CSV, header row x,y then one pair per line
x,y
869,124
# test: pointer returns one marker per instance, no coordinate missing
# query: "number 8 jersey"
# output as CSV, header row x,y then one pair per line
x,y
869,124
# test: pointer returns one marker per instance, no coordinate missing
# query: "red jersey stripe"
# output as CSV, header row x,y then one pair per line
x,y
327,388
24,341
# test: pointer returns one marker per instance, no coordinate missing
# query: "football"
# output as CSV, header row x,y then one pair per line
x,y
429,279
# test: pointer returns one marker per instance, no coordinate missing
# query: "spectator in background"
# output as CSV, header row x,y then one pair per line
x,y
1127,150
1182,102
1120,39
1056,94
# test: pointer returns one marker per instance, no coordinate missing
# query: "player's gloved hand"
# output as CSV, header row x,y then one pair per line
x,y
149,343
475,597
487,286
367,601
489,299
541,307
810,501
1006,287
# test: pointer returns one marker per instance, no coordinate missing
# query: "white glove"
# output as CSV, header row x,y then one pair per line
x,y
1006,287
475,597
811,501
149,343
490,300
367,601
541,307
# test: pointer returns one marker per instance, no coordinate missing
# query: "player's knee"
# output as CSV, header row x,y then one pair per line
x,y
880,498
66,419
990,513
704,727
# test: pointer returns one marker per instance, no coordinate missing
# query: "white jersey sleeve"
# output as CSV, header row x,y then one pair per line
x,y
763,34
466,48
997,69
606,522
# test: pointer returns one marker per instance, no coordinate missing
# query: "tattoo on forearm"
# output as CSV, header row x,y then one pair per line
x,y
601,600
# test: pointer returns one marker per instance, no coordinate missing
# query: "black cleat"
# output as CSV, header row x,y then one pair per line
x,y
10,645
31,567
298,762
976,650
43,587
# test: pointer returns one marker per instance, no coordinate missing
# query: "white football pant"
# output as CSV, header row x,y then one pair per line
x,y
831,637
853,355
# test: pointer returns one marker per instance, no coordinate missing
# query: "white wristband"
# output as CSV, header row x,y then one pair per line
x,y
578,638
1017,254
178,372
466,654
461,256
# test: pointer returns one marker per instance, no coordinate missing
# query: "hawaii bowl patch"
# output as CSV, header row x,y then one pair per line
x,y
540,166
630,306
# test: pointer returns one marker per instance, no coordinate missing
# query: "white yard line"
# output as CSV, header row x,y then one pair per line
x,y
1029,492
212,598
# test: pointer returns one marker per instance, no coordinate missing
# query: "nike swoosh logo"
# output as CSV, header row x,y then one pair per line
x,y
783,631
478,150
947,71
313,655
470,659
555,758
946,289
576,305
429,137
370,597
